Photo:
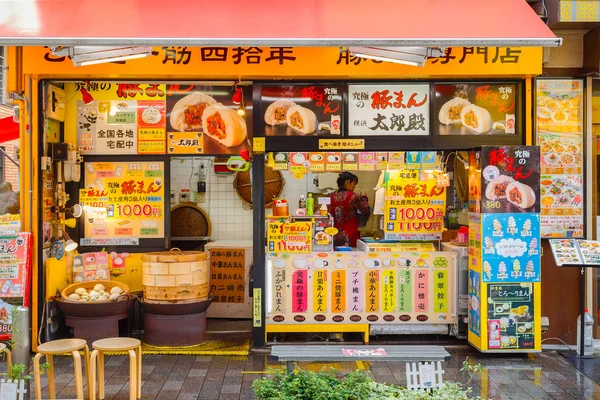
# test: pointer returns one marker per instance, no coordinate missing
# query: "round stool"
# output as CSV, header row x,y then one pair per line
x,y
118,344
57,347
5,350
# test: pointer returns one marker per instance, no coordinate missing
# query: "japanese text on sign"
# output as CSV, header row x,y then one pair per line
x,y
227,275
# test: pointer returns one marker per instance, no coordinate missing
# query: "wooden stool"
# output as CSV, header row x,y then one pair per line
x,y
5,350
117,344
57,347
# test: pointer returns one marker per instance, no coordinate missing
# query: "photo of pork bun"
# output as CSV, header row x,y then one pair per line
x,y
277,111
476,118
451,111
520,194
224,125
301,119
187,113
497,188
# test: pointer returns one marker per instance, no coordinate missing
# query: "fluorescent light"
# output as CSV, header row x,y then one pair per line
x,y
415,56
392,60
113,59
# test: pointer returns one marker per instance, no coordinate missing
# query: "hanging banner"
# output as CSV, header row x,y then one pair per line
x,y
394,110
559,131
358,287
414,208
123,200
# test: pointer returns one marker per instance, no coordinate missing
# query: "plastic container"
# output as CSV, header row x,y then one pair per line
x,y
310,205
588,336
302,202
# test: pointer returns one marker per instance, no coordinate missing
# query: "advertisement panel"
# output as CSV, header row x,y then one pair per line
x,y
510,316
390,109
122,201
292,237
356,287
475,108
15,260
559,132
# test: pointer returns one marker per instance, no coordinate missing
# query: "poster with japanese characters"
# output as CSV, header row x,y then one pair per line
x,y
510,316
511,247
475,108
208,119
559,132
414,206
116,118
15,272
227,275
475,302
390,109
510,179
292,237
359,287
302,109
123,201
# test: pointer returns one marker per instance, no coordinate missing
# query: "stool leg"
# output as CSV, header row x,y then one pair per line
x,y
36,376
100,374
50,372
139,372
78,374
92,375
132,375
86,354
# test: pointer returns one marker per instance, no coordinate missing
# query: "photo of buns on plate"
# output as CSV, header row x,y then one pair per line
x,y
187,113
451,111
496,189
520,195
277,111
224,125
476,118
301,119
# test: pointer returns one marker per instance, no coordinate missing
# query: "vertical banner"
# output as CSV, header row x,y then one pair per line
x,y
279,291
421,291
405,286
440,291
474,302
227,275
320,291
338,282
300,291
389,291
356,283
373,291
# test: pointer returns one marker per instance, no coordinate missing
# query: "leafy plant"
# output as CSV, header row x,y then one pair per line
x,y
470,368
357,385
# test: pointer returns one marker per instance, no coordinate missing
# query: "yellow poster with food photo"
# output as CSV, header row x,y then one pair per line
x,y
291,237
123,200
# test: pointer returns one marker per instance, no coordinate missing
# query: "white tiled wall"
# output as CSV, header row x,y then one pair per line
x,y
229,219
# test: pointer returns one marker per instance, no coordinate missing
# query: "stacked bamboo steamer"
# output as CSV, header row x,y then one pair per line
x,y
174,277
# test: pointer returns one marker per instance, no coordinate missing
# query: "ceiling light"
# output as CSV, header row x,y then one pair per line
x,y
89,55
415,56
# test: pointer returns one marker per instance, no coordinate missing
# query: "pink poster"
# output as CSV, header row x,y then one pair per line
x,y
421,291
356,282
300,291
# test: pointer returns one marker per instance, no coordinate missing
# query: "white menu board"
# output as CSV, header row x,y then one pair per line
x,y
392,110
575,252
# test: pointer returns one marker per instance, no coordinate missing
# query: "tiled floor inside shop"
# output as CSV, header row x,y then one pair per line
x,y
541,376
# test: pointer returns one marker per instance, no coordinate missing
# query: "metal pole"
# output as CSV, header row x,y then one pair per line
x,y
582,316
21,351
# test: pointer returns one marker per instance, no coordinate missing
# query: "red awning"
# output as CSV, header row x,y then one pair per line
x,y
440,23
9,130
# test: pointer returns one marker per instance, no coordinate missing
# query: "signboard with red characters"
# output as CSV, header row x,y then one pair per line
x,y
15,268
509,180
393,110
302,109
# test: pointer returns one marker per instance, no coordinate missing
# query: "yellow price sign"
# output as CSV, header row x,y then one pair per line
x,y
258,145
341,144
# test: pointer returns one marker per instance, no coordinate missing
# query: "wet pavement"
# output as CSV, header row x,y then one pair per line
x,y
547,375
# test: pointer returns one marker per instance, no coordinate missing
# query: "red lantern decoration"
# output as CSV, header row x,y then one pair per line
x,y
245,154
237,95
86,96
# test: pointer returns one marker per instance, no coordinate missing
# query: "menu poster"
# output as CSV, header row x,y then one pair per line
x,y
15,265
414,208
474,302
393,110
590,251
510,316
475,108
293,237
119,118
565,251
227,275
302,109
123,200
205,117
559,131
510,179
511,247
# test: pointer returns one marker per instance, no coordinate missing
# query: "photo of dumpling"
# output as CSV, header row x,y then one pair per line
x,y
301,119
451,111
277,111
224,125
476,118
496,189
188,111
520,195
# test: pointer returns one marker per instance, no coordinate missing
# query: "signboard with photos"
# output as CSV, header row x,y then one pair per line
x,y
576,252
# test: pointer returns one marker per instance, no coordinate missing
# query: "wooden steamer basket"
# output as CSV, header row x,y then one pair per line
x,y
274,184
175,277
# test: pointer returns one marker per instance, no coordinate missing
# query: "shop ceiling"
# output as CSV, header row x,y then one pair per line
x,y
383,23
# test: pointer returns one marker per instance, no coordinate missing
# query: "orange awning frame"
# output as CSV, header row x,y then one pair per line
x,y
435,23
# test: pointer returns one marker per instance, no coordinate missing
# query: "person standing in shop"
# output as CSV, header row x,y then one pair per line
x,y
345,206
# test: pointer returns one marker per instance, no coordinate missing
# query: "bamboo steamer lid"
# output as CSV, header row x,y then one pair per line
x,y
189,220
274,184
